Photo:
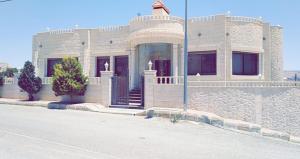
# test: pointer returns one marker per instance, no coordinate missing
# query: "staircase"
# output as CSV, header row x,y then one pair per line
x,y
135,98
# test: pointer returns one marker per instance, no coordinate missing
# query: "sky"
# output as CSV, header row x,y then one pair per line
x,y
21,19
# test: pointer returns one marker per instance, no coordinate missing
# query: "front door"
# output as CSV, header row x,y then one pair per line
x,y
120,81
163,68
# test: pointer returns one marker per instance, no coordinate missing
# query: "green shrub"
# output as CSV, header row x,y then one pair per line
x,y
28,82
69,79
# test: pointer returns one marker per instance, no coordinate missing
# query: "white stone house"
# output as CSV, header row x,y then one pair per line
x,y
235,66
221,48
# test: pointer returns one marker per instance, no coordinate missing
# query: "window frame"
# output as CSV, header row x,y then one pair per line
x,y
245,55
201,64
48,73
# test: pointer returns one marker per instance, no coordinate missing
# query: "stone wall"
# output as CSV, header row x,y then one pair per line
x,y
276,108
12,91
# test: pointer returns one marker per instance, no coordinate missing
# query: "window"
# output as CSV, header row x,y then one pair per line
x,y
244,63
100,64
204,63
50,66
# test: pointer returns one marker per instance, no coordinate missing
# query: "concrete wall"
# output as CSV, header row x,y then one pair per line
x,y
276,108
12,91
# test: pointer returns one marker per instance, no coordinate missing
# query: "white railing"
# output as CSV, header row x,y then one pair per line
x,y
46,80
245,19
204,19
9,80
61,31
156,17
199,83
169,80
113,28
94,80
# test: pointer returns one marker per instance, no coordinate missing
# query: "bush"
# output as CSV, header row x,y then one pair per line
x,y
69,79
28,82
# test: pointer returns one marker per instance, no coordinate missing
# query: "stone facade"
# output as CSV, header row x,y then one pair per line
x,y
222,33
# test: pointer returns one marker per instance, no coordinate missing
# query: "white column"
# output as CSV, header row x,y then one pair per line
x,y
182,61
175,60
86,62
112,64
106,87
149,88
93,66
132,68
35,63
175,63
261,65
44,69
85,56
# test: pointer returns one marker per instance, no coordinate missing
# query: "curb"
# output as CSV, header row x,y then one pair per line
x,y
81,107
217,121
50,105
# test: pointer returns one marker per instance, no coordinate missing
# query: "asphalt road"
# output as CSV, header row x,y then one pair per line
x,y
40,133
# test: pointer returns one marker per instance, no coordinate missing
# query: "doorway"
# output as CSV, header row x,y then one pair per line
x,y
120,81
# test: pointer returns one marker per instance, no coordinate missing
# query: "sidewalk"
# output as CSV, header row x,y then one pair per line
x,y
93,107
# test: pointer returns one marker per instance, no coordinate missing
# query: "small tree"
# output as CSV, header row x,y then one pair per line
x,y
28,82
69,79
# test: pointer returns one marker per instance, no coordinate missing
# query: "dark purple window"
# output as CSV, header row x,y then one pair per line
x,y
50,66
244,63
100,64
204,63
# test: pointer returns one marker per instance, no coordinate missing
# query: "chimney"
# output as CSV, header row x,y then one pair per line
x,y
159,8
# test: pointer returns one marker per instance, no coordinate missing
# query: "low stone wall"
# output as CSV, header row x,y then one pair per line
x,y
276,108
12,91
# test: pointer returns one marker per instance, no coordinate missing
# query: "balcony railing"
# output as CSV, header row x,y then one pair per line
x,y
46,80
9,80
198,83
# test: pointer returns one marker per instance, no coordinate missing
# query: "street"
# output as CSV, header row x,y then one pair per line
x,y
35,133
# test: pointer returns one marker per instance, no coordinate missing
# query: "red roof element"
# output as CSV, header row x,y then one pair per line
x,y
159,4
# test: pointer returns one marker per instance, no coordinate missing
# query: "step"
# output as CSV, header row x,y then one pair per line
x,y
135,104
135,101
135,97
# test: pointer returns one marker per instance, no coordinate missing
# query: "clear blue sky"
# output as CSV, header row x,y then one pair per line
x,y
20,19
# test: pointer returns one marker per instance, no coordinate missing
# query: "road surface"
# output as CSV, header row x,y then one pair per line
x,y
35,133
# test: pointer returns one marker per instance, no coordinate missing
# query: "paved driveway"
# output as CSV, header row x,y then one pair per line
x,y
39,133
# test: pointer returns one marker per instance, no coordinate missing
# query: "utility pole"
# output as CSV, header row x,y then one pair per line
x,y
185,91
